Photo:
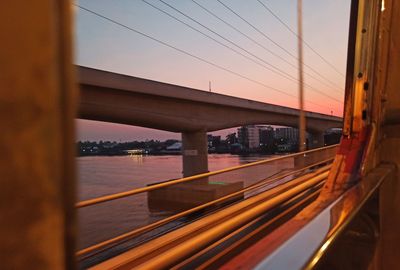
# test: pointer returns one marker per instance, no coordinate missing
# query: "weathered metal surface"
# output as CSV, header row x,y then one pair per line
x,y
302,241
37,110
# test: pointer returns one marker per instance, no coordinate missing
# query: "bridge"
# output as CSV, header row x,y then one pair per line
x,y
118,98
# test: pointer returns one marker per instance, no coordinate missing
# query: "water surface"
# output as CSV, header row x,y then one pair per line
x,y
102,175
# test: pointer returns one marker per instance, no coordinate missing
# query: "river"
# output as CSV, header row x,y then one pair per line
x,y
101,175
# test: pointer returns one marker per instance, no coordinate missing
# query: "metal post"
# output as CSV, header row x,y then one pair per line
x,y
302,120
37,162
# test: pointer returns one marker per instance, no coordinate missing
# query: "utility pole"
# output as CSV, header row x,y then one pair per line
x,y
302,119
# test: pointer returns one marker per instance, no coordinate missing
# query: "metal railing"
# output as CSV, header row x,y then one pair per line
x,y
192,178
308,159
168,257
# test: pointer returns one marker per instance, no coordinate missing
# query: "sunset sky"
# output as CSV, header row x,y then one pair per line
x,y
103,45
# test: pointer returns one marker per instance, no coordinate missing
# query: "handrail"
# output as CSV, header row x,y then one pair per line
x,y
126,236
331,218
194,244
251,234
123,194
358,195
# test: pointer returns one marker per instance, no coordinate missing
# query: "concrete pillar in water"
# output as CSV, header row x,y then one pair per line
x,y
194,153
187,195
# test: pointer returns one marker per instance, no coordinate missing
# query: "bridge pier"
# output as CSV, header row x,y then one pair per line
x,y
194,153
183,196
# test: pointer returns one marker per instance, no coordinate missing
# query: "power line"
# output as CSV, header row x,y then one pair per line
x,y
294,33
262,46
265,35
191,55
278,71
243,34
217,41
255,28
255,56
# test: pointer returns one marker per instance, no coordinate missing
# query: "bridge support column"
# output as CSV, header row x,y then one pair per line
x,y
317,140
180,197
194,153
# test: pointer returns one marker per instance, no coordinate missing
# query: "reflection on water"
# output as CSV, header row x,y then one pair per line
x,y
103,175
106,175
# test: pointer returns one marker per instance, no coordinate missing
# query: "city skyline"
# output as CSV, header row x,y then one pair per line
x,y
105,46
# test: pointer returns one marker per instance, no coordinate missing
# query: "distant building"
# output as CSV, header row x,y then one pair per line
x,y
109,145
284,148
332,136
175,148
213,141
236,148
267,135
249,137
290,135
137,151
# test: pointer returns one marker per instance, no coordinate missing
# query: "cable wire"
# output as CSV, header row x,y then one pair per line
x,y
191,55
279,72
294,33
265,48
255,56
227,40
266,36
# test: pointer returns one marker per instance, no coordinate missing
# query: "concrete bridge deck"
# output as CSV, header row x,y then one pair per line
x,y
118,98
112,97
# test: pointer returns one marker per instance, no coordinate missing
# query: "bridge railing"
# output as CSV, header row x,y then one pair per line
x,y
124,216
